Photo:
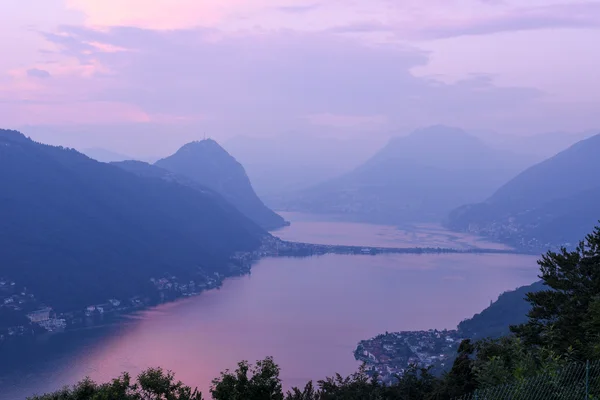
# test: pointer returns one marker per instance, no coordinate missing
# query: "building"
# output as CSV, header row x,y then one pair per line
x,y
114,302
40,315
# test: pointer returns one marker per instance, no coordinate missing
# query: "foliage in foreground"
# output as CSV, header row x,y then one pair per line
x,y
562,327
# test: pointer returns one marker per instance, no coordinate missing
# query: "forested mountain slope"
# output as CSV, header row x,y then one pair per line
x,y
75,231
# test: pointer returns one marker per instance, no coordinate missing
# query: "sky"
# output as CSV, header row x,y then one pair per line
x,y
144,76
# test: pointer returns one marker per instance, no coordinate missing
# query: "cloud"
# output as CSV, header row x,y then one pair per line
x,y
298,9
271,81
177,14
275,79
38,73
363,27
582,15
577,15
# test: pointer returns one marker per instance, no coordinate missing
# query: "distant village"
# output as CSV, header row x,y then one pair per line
x,y
515,234
22,314
389,355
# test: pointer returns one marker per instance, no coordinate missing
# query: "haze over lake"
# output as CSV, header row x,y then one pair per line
x,y
324,229
309,313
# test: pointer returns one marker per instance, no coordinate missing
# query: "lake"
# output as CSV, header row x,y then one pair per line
x,y
308,313
321,229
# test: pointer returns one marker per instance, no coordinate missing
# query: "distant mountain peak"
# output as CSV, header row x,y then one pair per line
x,y
202,144
116,230
210,165
442,134
414,178
440,129
445,147
204,147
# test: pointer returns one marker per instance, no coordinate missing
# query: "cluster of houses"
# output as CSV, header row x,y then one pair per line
x,y
168,288
46,318
110,306
24,311
189,288
515,233
34,315
12,298
390,354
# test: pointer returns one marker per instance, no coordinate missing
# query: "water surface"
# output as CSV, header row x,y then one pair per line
x,y
321,229
308,313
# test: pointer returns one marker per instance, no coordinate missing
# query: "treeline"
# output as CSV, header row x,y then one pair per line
x,y
563,326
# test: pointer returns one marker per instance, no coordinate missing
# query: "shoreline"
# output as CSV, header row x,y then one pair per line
x,y
171,290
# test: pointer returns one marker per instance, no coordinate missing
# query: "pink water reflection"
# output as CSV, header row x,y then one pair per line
x,y
318,229
308,313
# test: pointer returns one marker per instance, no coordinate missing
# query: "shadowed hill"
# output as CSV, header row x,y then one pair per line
x,y
511,308
75,231
210,165
551,203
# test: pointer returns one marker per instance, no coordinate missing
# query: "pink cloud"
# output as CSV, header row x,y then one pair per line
x,y
172,14
19,113
479,18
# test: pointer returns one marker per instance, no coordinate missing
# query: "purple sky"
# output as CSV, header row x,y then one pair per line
x,y
107,72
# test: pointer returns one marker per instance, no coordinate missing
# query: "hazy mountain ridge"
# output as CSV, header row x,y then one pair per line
x,y
416,178
208,164
293,161
76,231
146,170
550,204
104,155
540,146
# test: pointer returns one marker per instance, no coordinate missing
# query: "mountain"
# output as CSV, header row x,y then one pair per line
x,y
146,170
108,156
511,308
75,231
538,146
104,155
550,204
292,161
416,178
207,163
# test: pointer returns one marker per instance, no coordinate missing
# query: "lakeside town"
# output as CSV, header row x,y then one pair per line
x,y
389,355
22,314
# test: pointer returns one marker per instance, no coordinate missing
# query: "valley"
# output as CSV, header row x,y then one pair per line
x,y
308,312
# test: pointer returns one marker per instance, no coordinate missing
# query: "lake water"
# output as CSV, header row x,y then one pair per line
x,y
308,313
321,229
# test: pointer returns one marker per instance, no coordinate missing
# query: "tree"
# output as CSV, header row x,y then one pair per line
x,y
264,384
460,379
358,386
155,384
308,393
415,383
565,317
152,384
508,360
